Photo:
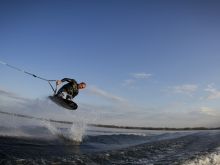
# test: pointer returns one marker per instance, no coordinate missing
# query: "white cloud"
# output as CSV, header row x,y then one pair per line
x,y
105,95
208,111
141,75
128,82
213,92
135,77
185,89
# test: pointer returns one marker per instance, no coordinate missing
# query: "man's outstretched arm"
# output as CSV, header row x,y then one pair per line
x,y
58,82
67,79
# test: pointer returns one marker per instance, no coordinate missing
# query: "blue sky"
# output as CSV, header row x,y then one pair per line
x,y
155,62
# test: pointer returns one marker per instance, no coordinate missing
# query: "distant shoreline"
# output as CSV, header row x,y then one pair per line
x,y
156,128
111,126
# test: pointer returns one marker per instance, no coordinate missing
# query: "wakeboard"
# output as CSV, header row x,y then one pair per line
x,y
68,104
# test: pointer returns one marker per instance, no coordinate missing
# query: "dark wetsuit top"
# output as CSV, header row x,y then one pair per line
x,y
71,87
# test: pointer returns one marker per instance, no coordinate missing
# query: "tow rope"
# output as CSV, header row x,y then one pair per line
x,y
30,74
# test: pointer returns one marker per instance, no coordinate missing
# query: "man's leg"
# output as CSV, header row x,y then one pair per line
x,y
69,97
60,92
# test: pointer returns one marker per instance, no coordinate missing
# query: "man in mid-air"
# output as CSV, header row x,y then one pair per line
x,y
69,90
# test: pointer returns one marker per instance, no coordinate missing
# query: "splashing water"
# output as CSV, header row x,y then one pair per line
x,y
52,128
208,159
75,133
